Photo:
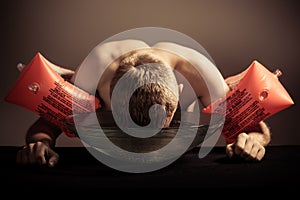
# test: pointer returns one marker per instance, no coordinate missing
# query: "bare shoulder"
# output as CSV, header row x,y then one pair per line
x,y
175,48
197,57
203,75
101,58
119,47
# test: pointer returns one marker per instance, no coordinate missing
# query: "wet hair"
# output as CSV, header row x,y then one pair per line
x,y
148,81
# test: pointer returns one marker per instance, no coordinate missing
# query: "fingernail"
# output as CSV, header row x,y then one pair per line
x,y
51,164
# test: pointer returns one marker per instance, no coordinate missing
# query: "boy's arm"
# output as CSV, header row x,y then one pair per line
x,y
201,73
43,131
249,145
262,132
40,141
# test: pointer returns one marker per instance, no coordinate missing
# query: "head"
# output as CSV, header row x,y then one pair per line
x,y
148,81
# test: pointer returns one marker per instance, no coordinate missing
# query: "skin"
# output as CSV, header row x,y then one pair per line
x,y
41,136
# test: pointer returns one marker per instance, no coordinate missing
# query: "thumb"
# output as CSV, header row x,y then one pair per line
x,y
53,158
229,150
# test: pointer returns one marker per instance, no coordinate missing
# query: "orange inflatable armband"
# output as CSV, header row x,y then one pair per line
x,y
40,89
257,96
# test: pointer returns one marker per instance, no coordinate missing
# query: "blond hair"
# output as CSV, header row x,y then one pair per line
x,y
153,83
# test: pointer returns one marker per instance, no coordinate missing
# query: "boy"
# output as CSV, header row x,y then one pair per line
x,y
180,69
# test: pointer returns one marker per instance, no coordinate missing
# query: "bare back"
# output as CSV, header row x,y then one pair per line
x,y
192,70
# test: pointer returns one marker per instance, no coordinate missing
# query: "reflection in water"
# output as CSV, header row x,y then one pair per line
x,y
91,130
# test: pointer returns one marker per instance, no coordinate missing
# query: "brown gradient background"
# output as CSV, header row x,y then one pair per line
x,y
233,32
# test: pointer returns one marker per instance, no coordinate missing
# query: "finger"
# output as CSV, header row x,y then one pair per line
x,y
253,153
40,153
229,150
247,148
240,143
53,158
260,153
264,128
31,153
52,161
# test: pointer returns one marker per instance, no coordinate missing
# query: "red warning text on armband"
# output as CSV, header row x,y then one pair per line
x,y
41,90
243,112
258,95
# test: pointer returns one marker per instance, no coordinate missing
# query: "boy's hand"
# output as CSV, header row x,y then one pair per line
x,y
246,147
37,153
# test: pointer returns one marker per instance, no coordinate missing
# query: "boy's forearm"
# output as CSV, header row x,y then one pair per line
x,y
44,131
